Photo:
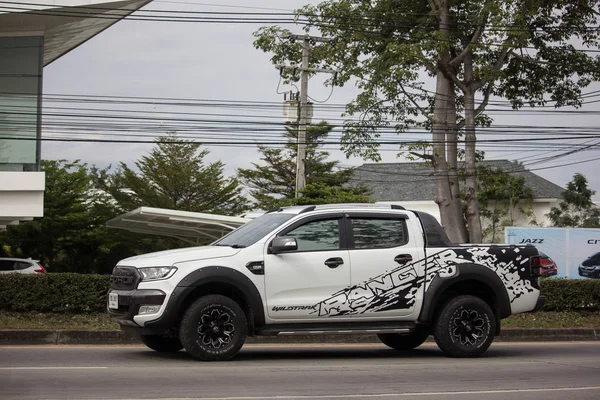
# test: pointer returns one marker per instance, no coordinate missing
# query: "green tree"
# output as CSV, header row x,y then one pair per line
x,y
321,193
503,197
577,210
273,181
517,49
71,236
66,216
175,176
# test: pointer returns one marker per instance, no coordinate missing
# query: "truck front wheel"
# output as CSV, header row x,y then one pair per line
x,y
404,342
465,327
213,328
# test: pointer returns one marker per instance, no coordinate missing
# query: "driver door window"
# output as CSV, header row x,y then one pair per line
x,y
317,235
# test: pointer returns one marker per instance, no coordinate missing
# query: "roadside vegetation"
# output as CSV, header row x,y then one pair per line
x,y
78,301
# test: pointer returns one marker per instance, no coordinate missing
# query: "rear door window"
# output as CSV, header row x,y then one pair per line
x,y
379,233
21,265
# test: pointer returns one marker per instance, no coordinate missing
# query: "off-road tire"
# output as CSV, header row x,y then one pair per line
x,y
404,342
464,327
213,328
162,344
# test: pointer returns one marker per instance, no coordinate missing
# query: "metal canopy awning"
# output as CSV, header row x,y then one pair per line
x,y
189,226
64,27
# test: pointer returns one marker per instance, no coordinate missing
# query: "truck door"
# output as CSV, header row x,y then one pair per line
x,y
298,282
387,265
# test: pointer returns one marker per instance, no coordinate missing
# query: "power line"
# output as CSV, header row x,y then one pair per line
x,y
194,101
292,14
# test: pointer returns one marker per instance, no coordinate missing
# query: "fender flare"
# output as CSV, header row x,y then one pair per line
x,y
465,272
208,275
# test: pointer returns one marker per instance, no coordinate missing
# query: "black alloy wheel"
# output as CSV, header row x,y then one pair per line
x,y
465,327
213,328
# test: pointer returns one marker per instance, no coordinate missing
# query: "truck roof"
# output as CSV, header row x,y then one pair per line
x,y
342,206
435,236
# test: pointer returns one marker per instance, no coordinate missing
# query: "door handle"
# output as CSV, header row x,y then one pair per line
x,y
403,258
334,262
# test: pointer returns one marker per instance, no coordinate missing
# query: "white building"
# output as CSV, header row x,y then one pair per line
x,y
32,35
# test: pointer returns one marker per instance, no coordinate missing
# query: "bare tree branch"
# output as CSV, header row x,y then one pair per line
x,y
529,59
486,99
474,39
461,85
497,65
481,107
423,156
412,100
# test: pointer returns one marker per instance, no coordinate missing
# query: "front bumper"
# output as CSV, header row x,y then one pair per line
x,y
129,304
589,273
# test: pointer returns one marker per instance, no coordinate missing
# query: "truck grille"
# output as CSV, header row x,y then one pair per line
x,y
124,278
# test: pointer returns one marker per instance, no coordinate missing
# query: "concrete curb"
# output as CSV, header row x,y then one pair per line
x,y
103,337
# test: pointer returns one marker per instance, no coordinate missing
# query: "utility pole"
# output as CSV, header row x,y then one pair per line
x,y
303,105
301,157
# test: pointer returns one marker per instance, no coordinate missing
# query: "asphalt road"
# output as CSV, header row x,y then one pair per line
x,y
548,371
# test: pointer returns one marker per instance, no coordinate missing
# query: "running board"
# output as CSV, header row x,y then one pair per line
x,y
335,329
345,332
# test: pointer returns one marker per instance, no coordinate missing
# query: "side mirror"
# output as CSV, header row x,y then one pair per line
x,y
282,244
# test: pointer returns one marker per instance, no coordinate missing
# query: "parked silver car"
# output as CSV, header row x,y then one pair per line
x,y
21,266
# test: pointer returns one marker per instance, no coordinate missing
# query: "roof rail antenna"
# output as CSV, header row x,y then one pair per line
x,y
278,209
307,209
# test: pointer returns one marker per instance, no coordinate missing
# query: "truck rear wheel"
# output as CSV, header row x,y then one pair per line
x,y
213,328
162,344
404,342
465,327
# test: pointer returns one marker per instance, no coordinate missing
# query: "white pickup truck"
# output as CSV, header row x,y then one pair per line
x,y
331,269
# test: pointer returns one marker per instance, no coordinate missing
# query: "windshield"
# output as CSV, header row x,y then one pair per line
x,y
254,230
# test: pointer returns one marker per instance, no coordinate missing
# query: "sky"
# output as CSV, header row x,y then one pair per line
x,y
218,62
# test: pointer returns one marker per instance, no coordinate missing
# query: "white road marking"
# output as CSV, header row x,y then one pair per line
x,y
385,395
48,368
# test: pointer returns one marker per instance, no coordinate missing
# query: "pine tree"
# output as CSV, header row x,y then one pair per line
x,y
272,182
175,176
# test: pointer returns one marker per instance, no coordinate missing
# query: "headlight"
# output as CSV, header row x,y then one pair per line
x,y
156,273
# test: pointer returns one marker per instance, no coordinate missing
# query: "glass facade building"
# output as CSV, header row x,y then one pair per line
x,y
31,37
21,63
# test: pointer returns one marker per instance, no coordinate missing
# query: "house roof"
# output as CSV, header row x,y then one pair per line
x,y
414,181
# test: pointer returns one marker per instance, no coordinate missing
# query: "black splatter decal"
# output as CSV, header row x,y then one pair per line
x,y
397,288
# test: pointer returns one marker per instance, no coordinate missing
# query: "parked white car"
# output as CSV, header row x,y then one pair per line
x,y
21,266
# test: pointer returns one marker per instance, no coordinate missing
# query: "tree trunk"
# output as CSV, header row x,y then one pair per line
x,y
452,157
451,221
473,217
